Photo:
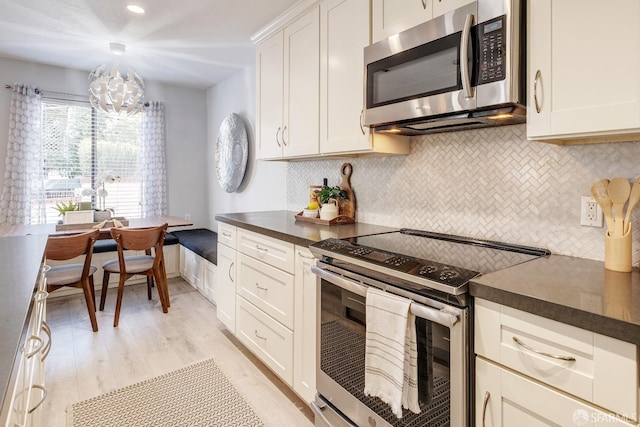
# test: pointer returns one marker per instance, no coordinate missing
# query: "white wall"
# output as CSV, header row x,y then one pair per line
x,y
264,184
185,113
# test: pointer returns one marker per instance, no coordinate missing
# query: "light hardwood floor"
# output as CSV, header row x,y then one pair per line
x,y
147,343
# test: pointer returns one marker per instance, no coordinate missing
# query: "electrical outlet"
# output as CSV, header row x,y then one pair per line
x,y
187,217
590,212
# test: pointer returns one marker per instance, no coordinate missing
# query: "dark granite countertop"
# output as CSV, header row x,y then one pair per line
x,y
20,259
283,225
575,291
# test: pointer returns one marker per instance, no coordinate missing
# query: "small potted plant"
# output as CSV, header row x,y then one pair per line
x,y
63,208
329,198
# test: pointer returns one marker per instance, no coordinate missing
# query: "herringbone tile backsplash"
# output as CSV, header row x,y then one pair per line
x,y
489,183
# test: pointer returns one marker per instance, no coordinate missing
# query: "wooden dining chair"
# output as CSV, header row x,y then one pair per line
x,y
150,265
63,248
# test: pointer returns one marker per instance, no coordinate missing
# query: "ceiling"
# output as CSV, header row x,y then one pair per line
x,y
194,43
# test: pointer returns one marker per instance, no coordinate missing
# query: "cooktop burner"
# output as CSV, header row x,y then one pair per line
x,y
439,261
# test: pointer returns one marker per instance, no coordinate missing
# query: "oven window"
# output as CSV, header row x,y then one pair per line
x,y
342,358
425,70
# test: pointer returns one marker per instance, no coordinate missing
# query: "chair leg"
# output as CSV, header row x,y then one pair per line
x,y
149,286
116,317
92,288
105,286
163,272
161,285
86,287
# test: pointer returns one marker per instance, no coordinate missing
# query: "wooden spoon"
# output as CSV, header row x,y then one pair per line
x,y
599,190
619,190
634,198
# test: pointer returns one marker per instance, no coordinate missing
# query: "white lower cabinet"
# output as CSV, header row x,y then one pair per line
x,y
305,324
543,372
505,398
266,338
267,297
199,273
226,289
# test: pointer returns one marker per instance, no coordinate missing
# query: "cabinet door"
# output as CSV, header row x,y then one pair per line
x,y
302,80
270,96
226,292
345,33
440,7
587,81
305,325
393,16
504,398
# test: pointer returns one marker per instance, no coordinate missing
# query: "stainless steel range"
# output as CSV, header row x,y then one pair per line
x,y
432,270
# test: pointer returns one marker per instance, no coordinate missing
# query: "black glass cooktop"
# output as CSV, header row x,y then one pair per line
x,y
441,258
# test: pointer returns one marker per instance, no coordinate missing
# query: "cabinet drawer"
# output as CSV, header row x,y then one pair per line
x,y
591,366
504,398
267,249
227,234
266,338
268,288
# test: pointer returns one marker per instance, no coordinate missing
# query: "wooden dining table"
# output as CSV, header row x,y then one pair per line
x,y
50,229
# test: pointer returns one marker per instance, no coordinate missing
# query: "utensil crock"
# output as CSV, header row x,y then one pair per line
x,y
617,252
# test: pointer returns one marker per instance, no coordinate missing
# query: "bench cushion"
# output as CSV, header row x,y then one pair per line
x,y
109,245
201,241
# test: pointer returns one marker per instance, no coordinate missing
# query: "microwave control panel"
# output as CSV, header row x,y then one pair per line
x,y
491,41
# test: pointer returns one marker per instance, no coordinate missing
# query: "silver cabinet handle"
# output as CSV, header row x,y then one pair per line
x,y
424,4
542,353
278,139
260,287
45,351
464,61
260,248
259,336
225,234
303,255
537,78
487,395
44,396
283,131
229,272
361,124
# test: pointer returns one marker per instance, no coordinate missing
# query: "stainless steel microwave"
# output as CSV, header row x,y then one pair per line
x,y
461,70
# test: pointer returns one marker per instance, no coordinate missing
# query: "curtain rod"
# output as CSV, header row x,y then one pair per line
x,y
39,91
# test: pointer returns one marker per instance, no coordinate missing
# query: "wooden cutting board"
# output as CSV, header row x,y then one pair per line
x,y
347,207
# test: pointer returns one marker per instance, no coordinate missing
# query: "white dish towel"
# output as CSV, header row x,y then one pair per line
x,y
391,371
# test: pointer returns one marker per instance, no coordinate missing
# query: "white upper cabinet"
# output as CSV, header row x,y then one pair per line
x,y
309,85
393,16
344,35
287,90
583,71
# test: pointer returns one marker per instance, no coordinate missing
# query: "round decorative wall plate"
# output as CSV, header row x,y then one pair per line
x,y
232,149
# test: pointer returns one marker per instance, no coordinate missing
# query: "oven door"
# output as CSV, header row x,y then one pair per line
x,y
443,357
425,71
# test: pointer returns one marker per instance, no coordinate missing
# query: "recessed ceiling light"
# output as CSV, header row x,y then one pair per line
x,y
135,8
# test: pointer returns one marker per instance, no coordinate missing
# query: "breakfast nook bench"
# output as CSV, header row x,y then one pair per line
x,y
198,259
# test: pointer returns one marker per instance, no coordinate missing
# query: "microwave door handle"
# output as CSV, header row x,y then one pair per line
x,y
441,317
464,60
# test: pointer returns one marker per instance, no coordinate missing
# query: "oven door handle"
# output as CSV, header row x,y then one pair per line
x,y
441,317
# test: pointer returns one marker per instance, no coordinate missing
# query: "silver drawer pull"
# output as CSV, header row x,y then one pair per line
x,y
225,234
487,395
303,255
259,336
260,248
261,288
542,353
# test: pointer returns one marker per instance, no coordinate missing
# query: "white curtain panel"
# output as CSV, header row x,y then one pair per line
x,y
23,188
153,161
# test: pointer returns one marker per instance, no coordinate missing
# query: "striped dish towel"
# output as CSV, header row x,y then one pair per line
x,y
391,372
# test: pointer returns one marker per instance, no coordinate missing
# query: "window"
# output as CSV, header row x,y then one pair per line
x,y
80,149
